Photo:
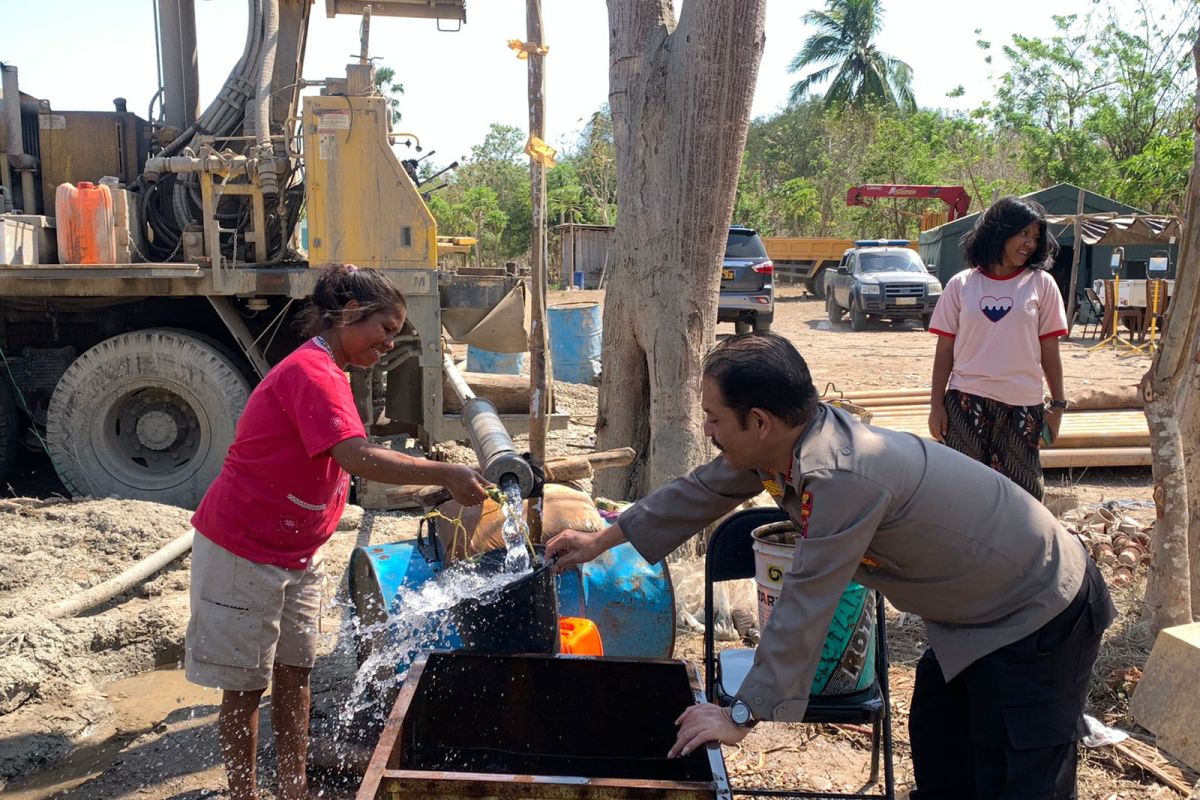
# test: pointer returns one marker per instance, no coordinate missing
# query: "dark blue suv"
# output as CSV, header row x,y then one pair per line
x,y
747,283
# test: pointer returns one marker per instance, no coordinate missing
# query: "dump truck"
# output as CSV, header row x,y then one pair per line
x,y
131,364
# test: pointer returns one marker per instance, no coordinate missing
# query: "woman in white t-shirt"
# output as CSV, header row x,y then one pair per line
x,y
998,326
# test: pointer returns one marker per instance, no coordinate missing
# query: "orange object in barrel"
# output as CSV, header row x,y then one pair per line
x,y
579,637
85,224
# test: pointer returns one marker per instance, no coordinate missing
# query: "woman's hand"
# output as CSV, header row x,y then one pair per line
x,y
704,723
1053,418
938,421
464,484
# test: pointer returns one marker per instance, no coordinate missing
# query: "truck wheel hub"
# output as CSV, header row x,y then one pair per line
x,y
157,430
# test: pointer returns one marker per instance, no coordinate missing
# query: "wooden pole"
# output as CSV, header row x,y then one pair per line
x,y
1075,263
539,361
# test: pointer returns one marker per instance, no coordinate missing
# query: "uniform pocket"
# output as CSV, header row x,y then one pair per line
x,y
227,636
1046,725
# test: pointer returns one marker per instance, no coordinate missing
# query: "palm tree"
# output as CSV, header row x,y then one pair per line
x,y
843,48
387,85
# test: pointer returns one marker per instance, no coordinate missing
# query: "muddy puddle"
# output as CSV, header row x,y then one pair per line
x,y
143,704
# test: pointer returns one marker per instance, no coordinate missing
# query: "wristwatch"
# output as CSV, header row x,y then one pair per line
x,y
1063,404
739,712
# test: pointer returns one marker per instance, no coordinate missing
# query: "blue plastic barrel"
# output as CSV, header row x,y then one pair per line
x,y
575,338
577,280
495,363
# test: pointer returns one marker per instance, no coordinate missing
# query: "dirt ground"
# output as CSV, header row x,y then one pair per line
x,y
95,706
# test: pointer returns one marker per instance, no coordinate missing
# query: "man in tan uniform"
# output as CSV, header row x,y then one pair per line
x,y
1014,608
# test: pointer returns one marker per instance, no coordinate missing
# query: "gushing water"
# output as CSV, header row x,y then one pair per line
x,y
516,530
419,624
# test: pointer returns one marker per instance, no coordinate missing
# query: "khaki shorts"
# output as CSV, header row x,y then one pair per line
x,y
246,617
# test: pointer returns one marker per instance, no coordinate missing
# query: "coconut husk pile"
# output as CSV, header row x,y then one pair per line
x,y
1114,538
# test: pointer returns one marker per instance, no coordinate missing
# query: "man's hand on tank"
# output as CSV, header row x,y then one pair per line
x,y
704,723
466,485
572,548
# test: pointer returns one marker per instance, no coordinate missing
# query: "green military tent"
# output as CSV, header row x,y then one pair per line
x,y
939,247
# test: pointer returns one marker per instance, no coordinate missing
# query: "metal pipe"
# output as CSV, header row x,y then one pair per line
x,y
16,142
180,63
262,102
498,457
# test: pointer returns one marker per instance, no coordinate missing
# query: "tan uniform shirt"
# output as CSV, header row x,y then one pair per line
x,y
939,534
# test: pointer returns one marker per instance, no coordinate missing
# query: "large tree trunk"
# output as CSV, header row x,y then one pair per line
x,y
1189,431
680,99
1173,413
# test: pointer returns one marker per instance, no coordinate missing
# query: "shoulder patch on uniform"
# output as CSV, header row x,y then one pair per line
x,y
806,505
772,488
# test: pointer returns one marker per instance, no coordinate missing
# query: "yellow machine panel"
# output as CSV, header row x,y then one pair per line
x,y
362,207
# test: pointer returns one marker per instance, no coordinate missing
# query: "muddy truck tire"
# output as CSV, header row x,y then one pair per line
x,y
147,415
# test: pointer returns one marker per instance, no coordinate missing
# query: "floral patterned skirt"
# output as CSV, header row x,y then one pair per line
x,y
1004,437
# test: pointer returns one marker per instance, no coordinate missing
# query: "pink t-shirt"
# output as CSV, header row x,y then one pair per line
x,y
998,326
280,494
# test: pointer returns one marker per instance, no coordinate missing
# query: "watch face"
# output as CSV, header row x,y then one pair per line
x,y
740,712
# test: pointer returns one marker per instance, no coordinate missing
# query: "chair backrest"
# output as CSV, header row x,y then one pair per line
x,y
1093,297
729,555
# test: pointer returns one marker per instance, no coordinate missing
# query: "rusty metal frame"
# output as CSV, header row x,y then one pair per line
x,y
382,782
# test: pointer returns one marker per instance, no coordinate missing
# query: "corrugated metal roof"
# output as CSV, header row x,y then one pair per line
x,y
1122,229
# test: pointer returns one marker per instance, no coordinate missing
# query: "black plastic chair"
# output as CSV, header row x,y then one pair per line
x,y
1094,316
730,556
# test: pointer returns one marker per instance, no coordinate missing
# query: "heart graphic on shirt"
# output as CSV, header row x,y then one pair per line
x,y
995,308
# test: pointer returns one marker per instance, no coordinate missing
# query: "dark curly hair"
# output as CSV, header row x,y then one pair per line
x,y
983,245
337,286
762,370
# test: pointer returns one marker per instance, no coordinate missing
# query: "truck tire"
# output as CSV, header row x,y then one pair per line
x,y
740,326
817,285
762,322
147,415
858,320
10,428
926,319
834,311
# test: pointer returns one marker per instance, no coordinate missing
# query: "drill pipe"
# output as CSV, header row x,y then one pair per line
x,y
493,446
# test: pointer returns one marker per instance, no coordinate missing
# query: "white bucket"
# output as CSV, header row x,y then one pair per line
x,y
774,547
847,662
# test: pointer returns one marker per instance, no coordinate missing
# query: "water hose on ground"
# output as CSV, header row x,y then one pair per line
x,y
103,592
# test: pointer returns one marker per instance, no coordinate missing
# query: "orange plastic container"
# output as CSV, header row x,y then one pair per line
x,y
579,636
86,225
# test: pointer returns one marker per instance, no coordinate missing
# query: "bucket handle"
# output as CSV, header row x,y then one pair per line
x,y
831,385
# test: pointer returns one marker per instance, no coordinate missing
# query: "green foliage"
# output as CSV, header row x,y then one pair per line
x,y
843,52
595,163
391,89
1105,102
488,197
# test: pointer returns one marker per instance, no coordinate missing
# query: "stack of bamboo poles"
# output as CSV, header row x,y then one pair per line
x,y
1089,437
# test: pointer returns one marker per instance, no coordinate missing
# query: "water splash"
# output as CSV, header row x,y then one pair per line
x,y
418,623
517,559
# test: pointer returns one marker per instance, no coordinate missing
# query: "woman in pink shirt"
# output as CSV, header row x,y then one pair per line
x,y
998,327
256,579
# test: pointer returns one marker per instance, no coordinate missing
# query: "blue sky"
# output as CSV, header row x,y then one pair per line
x,y
82,53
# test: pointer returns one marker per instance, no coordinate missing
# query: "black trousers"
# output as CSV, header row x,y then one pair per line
x,y
1006,727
